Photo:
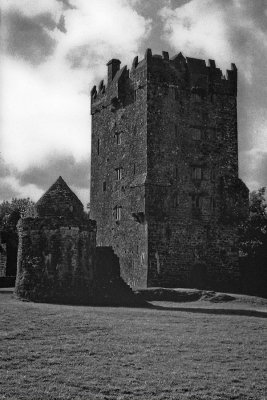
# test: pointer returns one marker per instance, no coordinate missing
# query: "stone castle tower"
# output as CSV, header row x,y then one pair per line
x,y
165,191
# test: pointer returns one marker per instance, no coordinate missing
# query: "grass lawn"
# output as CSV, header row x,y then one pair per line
x,y
51,352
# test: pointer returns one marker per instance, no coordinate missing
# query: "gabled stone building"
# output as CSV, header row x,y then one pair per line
x,y
165,191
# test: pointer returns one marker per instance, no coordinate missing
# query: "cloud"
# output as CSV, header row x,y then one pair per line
x,y
100,28
31,8
41,116
42,176
56,50
28,38
256,174
5,170
7,191
67,4
229,31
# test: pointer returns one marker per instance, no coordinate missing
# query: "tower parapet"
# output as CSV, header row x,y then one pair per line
x,y
184,72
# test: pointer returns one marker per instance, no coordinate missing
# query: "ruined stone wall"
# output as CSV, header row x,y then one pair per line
x,y
55,259
192,164
119,141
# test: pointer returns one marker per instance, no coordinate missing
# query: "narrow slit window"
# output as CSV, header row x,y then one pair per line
x,y
118,174
134,169
176,131
196,202
212,204
118,138
212,174
117,213
175,200
98,146
104,186
174,93
197,173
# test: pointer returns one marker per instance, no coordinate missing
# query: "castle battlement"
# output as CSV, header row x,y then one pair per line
x,y
188,73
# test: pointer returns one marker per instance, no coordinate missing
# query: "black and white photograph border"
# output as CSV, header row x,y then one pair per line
x,y
133,214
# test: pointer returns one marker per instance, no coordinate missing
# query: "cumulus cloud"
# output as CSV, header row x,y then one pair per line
x,y
32,8
255,176
40,117
54,51
229,31
4,169
27,38
75,172
7,190
101,28
67,4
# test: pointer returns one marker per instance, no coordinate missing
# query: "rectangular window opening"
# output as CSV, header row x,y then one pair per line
x,y
98,147
196,134
104,186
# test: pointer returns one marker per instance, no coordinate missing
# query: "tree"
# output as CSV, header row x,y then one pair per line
x,y
11,211
254,231
253,246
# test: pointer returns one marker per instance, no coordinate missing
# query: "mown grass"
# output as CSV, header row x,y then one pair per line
x,y
51,352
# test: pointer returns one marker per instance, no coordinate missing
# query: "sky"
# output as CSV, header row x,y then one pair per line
x,y
54,51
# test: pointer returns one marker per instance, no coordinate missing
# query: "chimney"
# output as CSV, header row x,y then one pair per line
x,y
113,66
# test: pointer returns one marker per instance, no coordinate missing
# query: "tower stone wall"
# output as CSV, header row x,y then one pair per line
x,y
179,195
2,259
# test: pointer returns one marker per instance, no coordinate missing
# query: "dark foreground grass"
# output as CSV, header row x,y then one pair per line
x,y
51,352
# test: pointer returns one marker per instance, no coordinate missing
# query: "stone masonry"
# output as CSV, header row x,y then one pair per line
x,y
56,248
3,259
57,256
165,191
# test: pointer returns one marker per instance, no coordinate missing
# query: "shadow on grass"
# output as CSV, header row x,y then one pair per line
x,y
214,311
146,305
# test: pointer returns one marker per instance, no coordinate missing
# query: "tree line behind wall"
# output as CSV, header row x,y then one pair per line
x,y
10,213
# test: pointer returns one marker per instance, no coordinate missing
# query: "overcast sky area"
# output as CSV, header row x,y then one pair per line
x,y
54,51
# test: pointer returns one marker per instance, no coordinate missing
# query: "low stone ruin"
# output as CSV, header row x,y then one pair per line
x,y
58,260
